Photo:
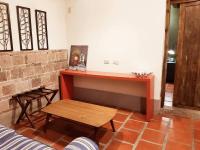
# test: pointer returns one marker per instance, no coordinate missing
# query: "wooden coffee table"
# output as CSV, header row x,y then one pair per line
x,y
86,113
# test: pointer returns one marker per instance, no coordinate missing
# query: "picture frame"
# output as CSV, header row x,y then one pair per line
x,y
41,29
24,28
6,43
78,57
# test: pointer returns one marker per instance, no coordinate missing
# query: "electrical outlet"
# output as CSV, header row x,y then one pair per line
x,y
69,10
106,62
116,62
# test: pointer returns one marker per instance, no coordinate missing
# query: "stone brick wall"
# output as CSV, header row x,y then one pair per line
x,y
23,71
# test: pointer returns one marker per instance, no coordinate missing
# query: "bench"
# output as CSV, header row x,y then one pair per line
x,y
25,99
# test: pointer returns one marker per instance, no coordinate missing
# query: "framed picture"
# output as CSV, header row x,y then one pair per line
x,y
6,43
41,28
24,27
78,57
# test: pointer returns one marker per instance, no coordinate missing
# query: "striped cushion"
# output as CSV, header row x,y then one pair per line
x,y
10,140
19,142
5,133
82,143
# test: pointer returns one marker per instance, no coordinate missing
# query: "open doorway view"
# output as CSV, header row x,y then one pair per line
x,y
171,59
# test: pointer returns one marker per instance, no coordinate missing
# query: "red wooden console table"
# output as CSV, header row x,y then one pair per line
x,y
67,84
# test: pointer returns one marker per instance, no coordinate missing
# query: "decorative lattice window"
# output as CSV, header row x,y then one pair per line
x,y
25,29
5,28
41,27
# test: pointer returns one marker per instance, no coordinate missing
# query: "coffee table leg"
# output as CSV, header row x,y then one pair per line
x,y
47,122
112,124
95,135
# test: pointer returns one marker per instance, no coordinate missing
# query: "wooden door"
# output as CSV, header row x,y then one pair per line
x,y
187,76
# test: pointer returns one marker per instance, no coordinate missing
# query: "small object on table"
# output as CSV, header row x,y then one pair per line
x,y
141,74
78,57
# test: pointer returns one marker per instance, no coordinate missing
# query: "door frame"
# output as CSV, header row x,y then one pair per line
x,y
166,44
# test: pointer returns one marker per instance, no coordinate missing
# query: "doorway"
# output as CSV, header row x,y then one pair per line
x,y
181,65
171,54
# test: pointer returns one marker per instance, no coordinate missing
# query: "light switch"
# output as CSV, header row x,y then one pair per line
x,y
106,62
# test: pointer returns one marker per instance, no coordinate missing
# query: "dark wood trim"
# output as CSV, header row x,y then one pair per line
x,y
164,69
40,11
19,28
182,1
166,46
188,107
9,26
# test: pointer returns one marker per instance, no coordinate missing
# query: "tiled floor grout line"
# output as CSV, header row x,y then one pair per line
x,y
117,121
114,135
193,139
140,136
151,142
193,142
181,143
124,142
155,130
131,130
136,120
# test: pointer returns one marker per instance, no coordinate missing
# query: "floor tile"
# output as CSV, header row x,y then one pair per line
x,y
174,145
197,145
169,87
67,138
101,147
20,127
142,145
181,136
135,125
181,123
158,125
116,145
197,134
161,118
49,137
104,136
196,124
60,145
116,124
153,136
138,116
127,135
120,117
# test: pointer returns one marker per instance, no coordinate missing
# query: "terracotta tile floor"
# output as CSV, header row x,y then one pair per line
x,y
163,132
169,88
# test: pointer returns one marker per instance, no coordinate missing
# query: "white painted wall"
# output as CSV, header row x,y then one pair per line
x,y
129,31
56,19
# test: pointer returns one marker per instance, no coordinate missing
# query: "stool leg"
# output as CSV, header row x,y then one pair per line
x,y
48,100
29,120
22,112
54,94
112,124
